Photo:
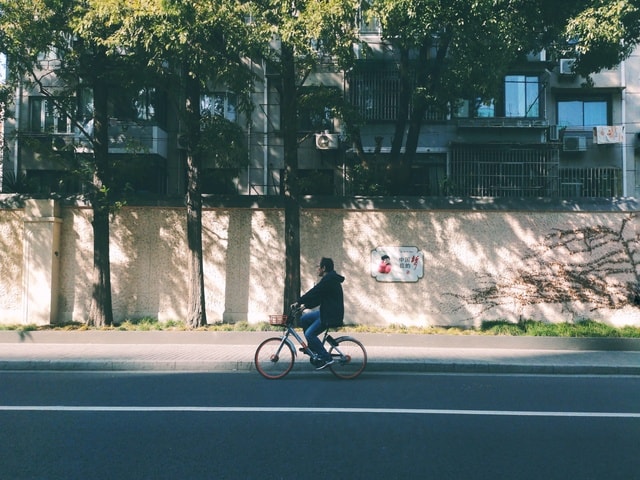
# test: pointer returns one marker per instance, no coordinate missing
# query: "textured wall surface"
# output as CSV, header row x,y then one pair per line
x,y
478,265
11,259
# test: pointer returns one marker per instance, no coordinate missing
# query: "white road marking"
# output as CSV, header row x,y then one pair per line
x,y
388,411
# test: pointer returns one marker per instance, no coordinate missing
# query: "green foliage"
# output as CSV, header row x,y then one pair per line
x,y
603,34
366,179
150,324
223,141
17,183
585,328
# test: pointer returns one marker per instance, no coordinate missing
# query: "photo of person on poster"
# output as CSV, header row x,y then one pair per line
x,y
385,264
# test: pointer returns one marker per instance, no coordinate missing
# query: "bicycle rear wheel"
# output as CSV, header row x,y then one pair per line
x,y
274,358
349,358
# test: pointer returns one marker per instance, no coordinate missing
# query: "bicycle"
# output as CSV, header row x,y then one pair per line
x,y
275,356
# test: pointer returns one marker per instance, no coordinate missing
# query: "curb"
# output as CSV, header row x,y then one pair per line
x,y
372,367
113,337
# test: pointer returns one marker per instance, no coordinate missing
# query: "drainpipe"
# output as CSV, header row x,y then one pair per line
x,y
265,131
17,129
623,113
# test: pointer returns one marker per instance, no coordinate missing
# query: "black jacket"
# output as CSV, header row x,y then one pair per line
x,y
328,294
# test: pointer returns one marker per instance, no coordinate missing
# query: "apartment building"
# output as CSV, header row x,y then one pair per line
x,y
546,136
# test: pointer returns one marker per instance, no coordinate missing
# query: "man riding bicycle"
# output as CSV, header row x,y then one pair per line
x,y
327,294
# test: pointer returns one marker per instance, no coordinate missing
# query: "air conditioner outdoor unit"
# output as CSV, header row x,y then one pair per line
x,y
327,141
574,143
566,66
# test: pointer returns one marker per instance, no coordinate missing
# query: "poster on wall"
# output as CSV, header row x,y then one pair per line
x,y
397,264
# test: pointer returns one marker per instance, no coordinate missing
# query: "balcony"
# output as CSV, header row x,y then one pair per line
x,y
130,138
503,122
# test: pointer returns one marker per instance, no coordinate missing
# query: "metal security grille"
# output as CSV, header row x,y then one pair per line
x,y
505,170
526,171
374,92
604,182
374,89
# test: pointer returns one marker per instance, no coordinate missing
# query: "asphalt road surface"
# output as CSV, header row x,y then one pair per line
x,y
66,425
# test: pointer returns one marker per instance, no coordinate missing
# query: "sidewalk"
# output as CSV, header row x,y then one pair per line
x,y
233,351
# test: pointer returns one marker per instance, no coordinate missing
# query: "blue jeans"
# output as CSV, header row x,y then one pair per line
x,y
312,326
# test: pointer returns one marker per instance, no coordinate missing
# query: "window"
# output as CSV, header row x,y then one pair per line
x,y
477,108
142,106
367,22
583,112
485,109
145,104
374,89
45,116
522,96
219,103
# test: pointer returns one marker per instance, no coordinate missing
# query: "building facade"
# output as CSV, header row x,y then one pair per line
x,y
546,136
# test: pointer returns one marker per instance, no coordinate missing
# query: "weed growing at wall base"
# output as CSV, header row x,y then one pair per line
x,y
531,328
586,328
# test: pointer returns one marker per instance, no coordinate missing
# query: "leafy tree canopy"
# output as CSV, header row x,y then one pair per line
x,y
603,34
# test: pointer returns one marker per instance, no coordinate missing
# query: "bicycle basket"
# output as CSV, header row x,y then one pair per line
x,y
278,320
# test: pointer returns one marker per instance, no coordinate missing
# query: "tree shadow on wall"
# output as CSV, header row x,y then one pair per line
x,y
593,265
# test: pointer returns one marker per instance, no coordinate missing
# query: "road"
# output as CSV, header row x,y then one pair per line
x,y
66,425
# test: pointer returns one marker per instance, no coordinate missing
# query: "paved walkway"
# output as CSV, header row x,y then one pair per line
x,y
233,351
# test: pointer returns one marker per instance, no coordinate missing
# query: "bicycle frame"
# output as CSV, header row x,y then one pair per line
x,y
289,331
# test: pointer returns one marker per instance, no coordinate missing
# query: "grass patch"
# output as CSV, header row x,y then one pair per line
x,y
586,328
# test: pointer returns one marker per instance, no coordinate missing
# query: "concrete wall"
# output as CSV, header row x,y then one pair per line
x,y
483,260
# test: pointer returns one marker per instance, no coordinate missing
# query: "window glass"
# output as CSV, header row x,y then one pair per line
x,y
145,106
522,96
595,113
46,117
367,22
485,109
587,113
219,103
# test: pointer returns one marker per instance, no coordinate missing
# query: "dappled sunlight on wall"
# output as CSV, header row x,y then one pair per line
x,y
367,300
76,265
11,248
215,225
244,266
479,265
578,266
267,267
148,263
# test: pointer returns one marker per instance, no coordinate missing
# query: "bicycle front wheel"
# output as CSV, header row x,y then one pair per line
x,y
274,358
349,358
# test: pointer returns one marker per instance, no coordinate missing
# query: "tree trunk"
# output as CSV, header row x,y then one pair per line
x,y
196,315
397,177
288,118
101,311
427,79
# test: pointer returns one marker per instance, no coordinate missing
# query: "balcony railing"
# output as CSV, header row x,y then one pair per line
x,y
128,138
502,122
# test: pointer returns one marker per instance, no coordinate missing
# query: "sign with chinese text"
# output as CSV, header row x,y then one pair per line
x,y
397,264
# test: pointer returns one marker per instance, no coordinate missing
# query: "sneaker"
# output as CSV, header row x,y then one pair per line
x,y
325,364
